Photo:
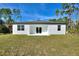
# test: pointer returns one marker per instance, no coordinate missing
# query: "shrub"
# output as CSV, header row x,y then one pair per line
x,y
72,30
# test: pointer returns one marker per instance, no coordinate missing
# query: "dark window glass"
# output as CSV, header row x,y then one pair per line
x,y
36,29
20,27
59,27
39,29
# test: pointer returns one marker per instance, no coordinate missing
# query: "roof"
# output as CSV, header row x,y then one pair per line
x,y
40,22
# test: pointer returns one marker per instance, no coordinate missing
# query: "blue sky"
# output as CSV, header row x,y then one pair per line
x,y
34,11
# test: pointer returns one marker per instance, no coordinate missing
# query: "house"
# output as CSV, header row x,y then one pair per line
x,y
39,28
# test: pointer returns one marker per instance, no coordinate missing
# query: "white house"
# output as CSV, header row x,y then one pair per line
x,y
39,28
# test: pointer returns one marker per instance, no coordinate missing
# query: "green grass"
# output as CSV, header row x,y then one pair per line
x,y
39,45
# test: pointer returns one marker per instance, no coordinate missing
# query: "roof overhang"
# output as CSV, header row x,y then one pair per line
x,y
39,22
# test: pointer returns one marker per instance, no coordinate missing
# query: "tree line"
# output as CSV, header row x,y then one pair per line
x,y
66,14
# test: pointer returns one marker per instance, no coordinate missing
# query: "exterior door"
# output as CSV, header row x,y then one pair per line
x,y
38,30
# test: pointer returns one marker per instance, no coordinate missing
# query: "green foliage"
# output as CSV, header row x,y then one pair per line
x,y
16,11
69,9
53,20
57,20
10,20
7,14
4,29
66,20
71,30
17,14
77,26
60,20
6,11
57,12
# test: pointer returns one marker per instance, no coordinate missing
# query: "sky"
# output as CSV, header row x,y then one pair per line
x,y
34,11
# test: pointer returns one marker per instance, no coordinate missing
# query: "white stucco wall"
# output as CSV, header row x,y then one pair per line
x,y
26,30
52,29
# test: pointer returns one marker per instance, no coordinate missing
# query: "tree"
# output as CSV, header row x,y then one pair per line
x,y
9,22
17,13
60,20
53,20
5,13
68,10
65,20
57,12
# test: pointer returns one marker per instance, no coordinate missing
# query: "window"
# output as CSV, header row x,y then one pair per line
x,y
59,27
20,27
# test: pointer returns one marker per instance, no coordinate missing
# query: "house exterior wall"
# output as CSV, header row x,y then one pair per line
x,y
26,29
52,29
43,26
48,29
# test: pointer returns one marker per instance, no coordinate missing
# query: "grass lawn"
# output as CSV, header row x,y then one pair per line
x,y
39,45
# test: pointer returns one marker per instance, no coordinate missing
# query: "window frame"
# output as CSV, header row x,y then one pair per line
x,y
20,27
